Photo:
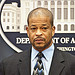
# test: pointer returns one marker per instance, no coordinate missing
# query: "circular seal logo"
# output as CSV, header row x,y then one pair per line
x,y
12,28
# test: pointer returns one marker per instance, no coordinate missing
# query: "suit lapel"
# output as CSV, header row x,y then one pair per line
x,y
24,65
57,63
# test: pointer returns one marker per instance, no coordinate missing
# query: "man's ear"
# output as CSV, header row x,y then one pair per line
x,y
27,31
53,30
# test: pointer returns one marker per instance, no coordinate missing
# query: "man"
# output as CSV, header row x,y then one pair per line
x,y
43,58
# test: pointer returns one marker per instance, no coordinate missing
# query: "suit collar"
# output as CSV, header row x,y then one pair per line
x,y
57,63
24,65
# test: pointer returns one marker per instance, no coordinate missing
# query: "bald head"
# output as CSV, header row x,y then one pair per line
x,y
41,12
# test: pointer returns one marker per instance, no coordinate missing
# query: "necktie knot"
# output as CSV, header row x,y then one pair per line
x,y
40,55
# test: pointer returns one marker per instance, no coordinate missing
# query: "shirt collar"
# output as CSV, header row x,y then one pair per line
x,y
34,53
48,53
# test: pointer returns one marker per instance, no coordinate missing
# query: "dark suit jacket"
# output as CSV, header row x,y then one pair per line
x,y
20,64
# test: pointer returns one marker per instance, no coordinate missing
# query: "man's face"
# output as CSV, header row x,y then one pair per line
x,y
40,32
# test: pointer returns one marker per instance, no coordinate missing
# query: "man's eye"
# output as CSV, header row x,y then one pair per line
x,y
44,28
33,28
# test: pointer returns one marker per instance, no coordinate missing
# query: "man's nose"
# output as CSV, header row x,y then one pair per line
x,y
39,32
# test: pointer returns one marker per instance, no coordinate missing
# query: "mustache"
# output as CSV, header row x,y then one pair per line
x,y
39,38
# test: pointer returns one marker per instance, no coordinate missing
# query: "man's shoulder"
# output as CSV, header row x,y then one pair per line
x,y
15,57
67,55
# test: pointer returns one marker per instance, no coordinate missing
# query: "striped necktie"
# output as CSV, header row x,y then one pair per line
x,y
38,68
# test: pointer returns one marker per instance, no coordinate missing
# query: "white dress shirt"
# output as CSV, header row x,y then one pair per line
x,y
48,53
